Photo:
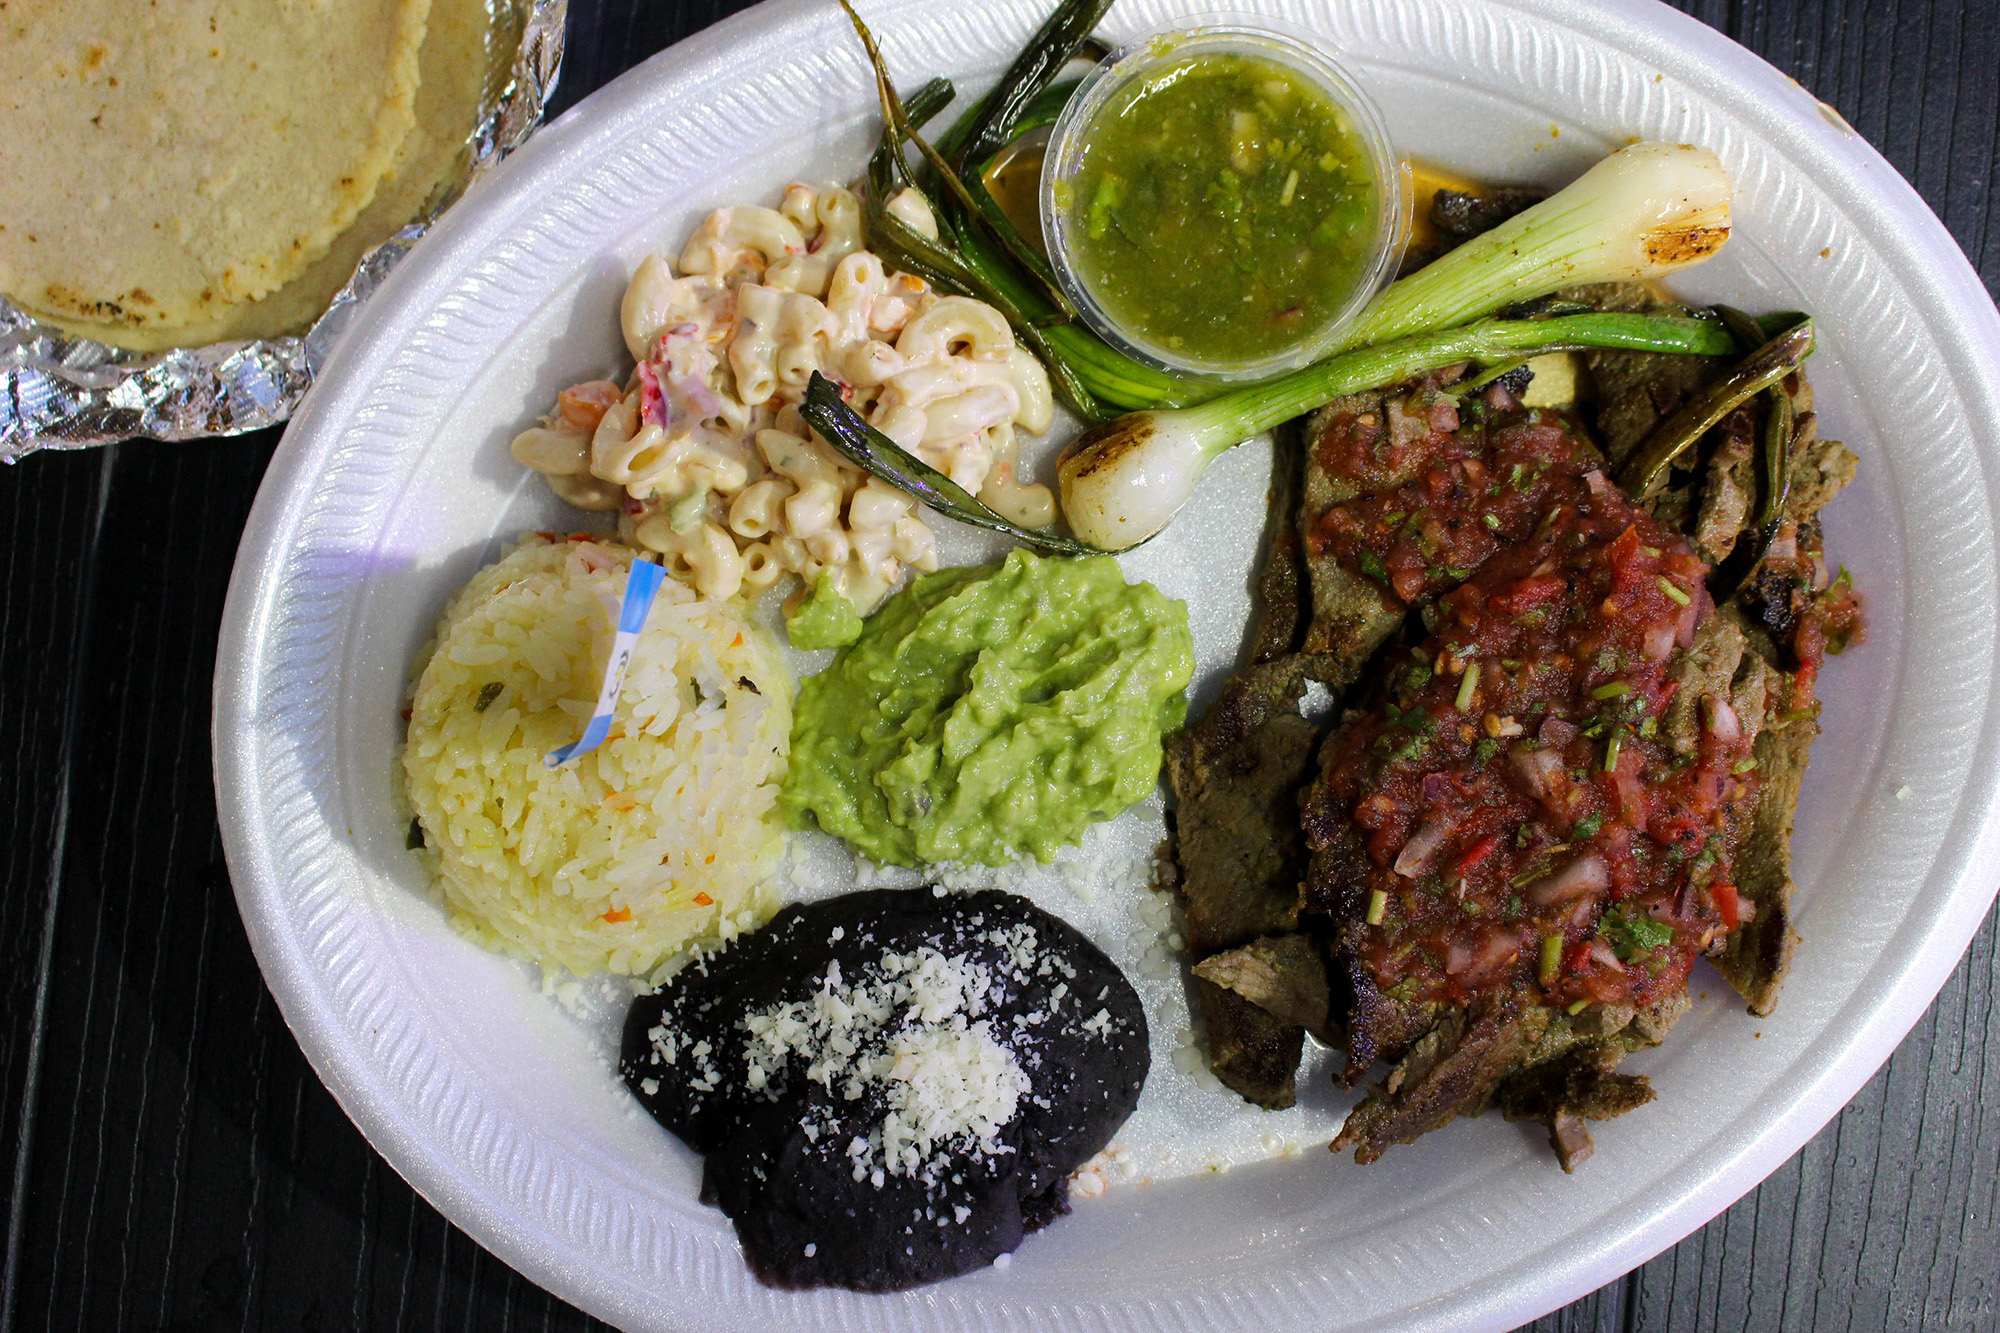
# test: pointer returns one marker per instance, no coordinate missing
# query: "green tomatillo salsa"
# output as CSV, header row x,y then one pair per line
x,y
988,712
1223,209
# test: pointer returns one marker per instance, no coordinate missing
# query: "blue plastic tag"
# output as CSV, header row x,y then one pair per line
x,y
642,584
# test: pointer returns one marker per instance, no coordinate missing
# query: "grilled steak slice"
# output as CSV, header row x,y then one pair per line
x,y
1351,614
1451,1070
1537,1063
1236,776
1282,599
1254,1053
1284,975
1759,952
1565,1092
1729,488
1456,216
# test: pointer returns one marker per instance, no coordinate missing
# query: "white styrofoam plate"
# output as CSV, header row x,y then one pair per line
x,y
499,1103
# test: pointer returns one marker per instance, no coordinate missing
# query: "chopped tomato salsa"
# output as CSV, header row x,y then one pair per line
x,y
1452,498
1813,621
1535,812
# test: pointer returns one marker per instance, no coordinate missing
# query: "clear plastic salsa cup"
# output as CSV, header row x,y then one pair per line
x,y
1151,53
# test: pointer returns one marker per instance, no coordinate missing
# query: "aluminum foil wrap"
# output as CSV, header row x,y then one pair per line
x,y
59,391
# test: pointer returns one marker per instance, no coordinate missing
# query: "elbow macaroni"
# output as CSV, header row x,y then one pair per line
x,y
703,451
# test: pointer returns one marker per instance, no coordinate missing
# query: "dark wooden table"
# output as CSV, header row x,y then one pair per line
x,y
176,1165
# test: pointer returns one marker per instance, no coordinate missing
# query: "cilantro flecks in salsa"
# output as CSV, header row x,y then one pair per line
x,y
1530,820
1439,500
1223,208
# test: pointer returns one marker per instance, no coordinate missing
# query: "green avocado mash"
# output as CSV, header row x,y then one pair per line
x,y
1223,209
825,619
992,711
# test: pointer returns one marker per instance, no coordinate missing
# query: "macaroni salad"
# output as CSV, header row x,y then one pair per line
x,y
702,451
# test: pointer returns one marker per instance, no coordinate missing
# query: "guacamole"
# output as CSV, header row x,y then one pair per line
x,y
825,619
1223,208
989,712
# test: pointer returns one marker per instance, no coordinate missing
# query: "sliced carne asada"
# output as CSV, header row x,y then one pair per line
x,y
1254,1053
1284,975
1563,1093
1574,771
1515,779
1236,775
1738,698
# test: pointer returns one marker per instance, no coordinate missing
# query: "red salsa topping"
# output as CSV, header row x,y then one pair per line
x,y
1451,499
1813,616
1535,811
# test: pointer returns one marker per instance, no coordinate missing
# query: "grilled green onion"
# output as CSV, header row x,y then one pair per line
x,y
1378,904
1611,691
1780,423
1641,213
879,456
1124,481
1676,435
1612,745
894,114
1673,590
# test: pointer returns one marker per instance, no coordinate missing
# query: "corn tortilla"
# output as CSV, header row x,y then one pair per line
x,y
170,161
455,63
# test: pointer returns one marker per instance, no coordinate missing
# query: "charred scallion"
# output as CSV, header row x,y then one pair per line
x,y
1673,437
895,117
1780,425
876,454
1641,213
1124,481
976,251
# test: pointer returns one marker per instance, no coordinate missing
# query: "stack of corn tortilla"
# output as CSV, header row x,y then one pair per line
x,y
194,171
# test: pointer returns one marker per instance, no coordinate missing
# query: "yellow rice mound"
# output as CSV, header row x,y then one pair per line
x,y
664,836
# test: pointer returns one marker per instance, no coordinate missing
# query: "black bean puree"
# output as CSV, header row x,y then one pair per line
x,y
779,1160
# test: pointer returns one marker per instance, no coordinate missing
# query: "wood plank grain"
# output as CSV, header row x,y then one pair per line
x,y
49,520
189,1172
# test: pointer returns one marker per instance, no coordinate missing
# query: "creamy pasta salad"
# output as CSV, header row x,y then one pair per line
x,y
702,451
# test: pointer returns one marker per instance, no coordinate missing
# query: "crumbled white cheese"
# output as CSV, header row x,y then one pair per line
x,y
910,1031
1190,1059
